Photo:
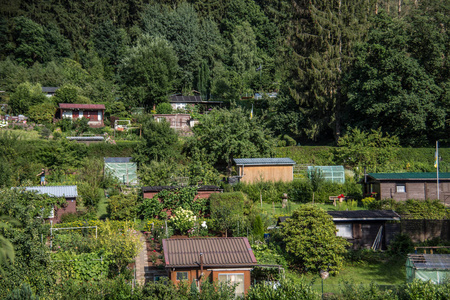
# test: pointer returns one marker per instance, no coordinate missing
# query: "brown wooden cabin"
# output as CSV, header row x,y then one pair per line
x,y
67,191
210,259
404,186
94,112
251,170
364,228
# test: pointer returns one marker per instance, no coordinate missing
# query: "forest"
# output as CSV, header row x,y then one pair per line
x,y
335,65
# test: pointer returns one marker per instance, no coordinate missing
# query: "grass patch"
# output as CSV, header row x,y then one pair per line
x,y
101,207
276,208
383,273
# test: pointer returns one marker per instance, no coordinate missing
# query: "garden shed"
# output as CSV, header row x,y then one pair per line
x,y
122,168
434,267
404,186
210,259
252,170
364,228
330,173
66,191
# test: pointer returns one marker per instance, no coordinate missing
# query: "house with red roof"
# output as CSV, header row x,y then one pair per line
x,y
223,260
94,112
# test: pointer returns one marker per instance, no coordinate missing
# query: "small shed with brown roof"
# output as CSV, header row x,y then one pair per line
x,y
210,259
94,112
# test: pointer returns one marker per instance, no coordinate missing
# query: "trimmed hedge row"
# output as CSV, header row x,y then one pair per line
x,y
406,159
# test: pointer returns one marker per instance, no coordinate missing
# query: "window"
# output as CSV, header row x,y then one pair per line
x,y
345,230
182,276
234,279
401,188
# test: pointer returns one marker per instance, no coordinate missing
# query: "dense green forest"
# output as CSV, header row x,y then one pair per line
x,y
371,64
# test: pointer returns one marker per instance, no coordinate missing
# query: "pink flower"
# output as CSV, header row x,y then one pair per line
x,y
152,239
154,250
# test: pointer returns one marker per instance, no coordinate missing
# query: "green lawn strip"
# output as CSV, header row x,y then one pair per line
x,y
386,273
101,207
276,209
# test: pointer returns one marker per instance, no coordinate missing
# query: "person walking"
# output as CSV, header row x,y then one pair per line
x,y
42,175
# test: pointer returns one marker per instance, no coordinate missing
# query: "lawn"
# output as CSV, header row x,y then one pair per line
x,y
384,274
276,209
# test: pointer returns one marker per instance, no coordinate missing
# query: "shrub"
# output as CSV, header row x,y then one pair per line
x,y
122,206
164,108
258,228
401,245
183,220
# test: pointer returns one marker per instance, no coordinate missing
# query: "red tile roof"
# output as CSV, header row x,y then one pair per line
x,y
81,106
217,252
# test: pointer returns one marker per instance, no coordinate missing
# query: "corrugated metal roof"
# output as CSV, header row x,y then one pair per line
x,y
85,138
49,89
117,159
264,161
430,261
364,215
409,176
160,188
68,191
185,99
81,106
217,252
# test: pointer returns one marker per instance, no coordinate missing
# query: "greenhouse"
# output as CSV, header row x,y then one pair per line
x,y
122,168
330,173
434,267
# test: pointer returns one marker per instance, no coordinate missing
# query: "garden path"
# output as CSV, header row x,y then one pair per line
x,y
141,262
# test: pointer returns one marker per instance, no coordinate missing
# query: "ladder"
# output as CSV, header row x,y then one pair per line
x,y
377,242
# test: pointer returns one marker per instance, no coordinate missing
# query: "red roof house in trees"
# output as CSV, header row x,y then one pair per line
x,y
210,259
94,112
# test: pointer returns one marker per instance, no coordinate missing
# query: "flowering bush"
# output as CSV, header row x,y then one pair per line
x,y
200,228
183,219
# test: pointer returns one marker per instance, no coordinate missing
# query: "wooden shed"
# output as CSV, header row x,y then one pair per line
x,y
363,228
94,112
404,186
251,170
67,191
210,259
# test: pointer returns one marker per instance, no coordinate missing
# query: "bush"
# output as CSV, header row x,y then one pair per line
x,y
183,220
401,245
122,206
164,108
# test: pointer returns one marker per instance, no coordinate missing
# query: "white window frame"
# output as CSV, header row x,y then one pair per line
x,y
240,286
400,188
345,230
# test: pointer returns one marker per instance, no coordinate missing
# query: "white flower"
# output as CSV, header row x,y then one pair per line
x,y
204,224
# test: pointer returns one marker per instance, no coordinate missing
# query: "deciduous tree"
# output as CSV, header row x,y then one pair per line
x,y
228,134
310,236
